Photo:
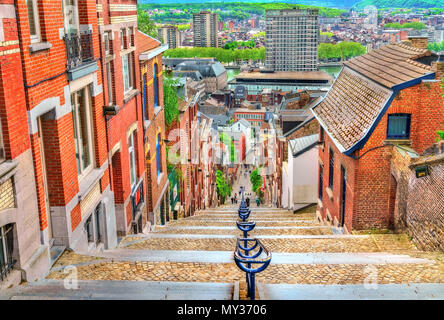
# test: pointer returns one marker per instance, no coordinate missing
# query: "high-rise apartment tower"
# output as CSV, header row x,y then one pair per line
x,y
205,29
170,35
292,38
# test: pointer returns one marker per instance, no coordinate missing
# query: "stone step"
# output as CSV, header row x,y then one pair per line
x,y
412,291
277,257
121,290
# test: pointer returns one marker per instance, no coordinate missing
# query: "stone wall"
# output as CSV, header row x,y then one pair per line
x,y
419,204
425,207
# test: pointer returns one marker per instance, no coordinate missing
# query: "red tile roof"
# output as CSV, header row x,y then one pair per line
x,y
145,42
391,65
364,87
350,107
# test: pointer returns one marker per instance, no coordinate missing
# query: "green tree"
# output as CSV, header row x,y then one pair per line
x,y
170,100
223,189
255,180
145,24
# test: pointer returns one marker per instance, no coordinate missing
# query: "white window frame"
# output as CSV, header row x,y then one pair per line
x,y
128,82
109,81
83,171
122,38
132,159
106,41
37,37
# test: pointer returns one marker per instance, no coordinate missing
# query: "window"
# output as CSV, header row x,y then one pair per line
x,y
70,16
331,169
145,96
131,37
89,229
6,249
106,41
122,39
81,117
158,155
109,81
398,126
127,66
132,159
97,217
2,147
321,178
33,18
156,86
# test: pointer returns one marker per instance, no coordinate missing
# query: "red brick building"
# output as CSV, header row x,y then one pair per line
x,y
63,83
123,112
23,252
391,96
183,136
255,116
154,135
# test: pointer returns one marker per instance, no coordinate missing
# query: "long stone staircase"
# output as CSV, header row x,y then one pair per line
x,y
192,258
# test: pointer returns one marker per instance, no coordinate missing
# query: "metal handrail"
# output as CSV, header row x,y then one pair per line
x,y
245,261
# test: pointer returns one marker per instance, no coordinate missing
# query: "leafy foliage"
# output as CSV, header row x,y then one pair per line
x,y
224,138
401,3
345,49
170,100
440,135
223,189
145,24
415,25
223,55
255,180
225,10
436,46
328,34
240,44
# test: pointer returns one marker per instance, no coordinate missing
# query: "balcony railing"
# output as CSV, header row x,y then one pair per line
x,y
79,48
137,197
6,268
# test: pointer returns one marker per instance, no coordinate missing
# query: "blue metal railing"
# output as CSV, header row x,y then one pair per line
x,y
250,254
248,259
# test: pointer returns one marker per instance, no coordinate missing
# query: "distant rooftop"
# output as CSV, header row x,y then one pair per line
x,y
285,75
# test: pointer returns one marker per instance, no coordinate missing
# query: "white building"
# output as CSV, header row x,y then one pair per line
x,y
300,173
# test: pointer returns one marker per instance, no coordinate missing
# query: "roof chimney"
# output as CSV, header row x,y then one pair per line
x,y
438,66
419,42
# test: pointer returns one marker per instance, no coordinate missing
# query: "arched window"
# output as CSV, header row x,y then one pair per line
x,y
156,86
158,155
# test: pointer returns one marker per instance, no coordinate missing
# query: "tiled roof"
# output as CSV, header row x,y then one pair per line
x,y
350,108
391,65
145,42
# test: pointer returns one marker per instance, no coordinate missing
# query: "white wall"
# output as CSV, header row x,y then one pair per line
x,y
305,177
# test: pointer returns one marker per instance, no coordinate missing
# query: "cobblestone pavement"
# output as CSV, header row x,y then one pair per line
x,y
276,273
311,238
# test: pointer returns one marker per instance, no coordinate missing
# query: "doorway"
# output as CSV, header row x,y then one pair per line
x,y
40,124
343,194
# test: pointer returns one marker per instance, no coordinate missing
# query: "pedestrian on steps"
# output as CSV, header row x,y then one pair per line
x,y
247,201
258,201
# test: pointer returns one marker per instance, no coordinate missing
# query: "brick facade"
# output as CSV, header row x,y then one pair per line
x,y
368,180
158,211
